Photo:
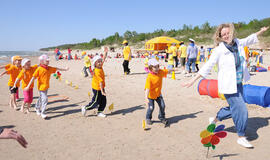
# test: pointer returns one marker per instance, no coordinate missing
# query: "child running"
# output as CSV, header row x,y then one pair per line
x,y
43,74
25,76
153,87
98,86
13,71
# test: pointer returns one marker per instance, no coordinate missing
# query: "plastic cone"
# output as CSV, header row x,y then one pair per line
x,y
173,75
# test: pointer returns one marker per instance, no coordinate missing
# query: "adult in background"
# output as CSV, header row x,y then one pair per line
x,y
202,54
173,51
127,57
69,54
192,52
183,55
56,52
230,57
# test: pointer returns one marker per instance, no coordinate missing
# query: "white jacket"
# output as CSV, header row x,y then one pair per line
x,y
226,65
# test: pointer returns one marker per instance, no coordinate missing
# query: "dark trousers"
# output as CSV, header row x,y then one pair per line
x,y
167,55
125,66
98,100
151,107
175,61
197,67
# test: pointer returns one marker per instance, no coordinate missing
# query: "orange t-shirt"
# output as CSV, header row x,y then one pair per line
x,y
7,66
154,83
26,75
43,76
14,72
98,78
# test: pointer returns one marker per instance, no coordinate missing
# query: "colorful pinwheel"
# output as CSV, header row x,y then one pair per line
x,y
210,136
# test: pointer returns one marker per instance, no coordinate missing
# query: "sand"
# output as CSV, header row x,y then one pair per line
x,y
66,134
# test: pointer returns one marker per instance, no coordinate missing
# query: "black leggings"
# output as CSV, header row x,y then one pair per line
x,y
97,100
125,66
176,61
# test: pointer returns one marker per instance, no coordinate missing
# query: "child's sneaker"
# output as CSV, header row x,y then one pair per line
x,y
83,110
149,122
44,116
100,114
244,142
212,120
37,111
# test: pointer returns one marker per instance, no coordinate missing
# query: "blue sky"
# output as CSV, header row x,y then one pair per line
x,y
33,24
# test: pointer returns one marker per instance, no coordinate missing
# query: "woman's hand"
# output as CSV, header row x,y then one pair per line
x,y
11,134
263,29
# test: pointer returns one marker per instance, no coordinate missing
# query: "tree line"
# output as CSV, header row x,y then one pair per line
x,y
202,34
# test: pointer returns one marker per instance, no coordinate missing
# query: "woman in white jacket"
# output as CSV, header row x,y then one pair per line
x,y
229,55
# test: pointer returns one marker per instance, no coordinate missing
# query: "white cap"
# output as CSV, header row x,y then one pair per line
x,y
44,57
153,62
192,40
24,61
97,57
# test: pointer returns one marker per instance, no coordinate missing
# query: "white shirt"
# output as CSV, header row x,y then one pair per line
x,y
202,50
226,64
192,51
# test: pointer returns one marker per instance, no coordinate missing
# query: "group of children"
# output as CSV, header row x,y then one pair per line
x,y
21,70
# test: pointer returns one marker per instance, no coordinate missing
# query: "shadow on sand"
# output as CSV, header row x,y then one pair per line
x,y
63,113
254,124
126,110
221,156
176,119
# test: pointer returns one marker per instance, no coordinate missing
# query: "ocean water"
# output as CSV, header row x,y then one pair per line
x,y
5,56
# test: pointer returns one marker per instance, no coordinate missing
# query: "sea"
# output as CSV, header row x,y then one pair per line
x,y
5,56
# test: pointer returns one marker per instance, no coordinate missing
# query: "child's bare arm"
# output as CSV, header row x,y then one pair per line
x,y
15,83
63,69
146,96
29,84
105,54
102,89
3,73
2,66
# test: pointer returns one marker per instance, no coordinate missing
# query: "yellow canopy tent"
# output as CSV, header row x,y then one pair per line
x,y
160,43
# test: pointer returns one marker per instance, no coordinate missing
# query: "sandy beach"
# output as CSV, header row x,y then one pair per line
x,y
66,134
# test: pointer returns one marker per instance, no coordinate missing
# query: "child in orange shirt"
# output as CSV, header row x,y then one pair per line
x,y
153,87
13,71
7,66
43,74
25,76
98,86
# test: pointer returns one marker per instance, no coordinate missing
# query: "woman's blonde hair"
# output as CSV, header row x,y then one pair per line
x,y
217,36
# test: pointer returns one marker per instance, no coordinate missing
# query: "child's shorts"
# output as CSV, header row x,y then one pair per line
x,y
12,91
170,67
28,96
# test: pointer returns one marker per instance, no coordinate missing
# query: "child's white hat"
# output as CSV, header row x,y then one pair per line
x,y
153,62
24,61
97,57
192,40
44,57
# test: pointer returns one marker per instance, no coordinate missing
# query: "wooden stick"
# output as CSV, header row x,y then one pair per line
x,y
207,152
